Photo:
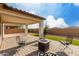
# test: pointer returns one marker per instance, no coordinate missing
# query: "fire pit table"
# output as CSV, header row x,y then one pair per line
x,y
43,45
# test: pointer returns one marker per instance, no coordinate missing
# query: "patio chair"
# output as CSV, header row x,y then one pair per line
x,y
20,40
67,43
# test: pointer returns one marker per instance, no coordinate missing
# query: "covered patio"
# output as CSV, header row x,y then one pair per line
x,y
13,17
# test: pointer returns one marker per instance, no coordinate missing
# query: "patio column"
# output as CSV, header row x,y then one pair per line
x,y
41,27
0,30
26,29
3,30
22,27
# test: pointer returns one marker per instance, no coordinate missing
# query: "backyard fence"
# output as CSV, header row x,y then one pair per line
x,y
11,31
63,32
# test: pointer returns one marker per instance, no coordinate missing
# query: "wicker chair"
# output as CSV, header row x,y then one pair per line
x,y
20,40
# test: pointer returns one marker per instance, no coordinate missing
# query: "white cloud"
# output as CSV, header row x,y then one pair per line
x,y
76,4
26,6
31,6
52,22
77,24
33,26
33,12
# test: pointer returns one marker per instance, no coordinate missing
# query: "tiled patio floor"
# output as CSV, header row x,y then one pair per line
x,y
10,47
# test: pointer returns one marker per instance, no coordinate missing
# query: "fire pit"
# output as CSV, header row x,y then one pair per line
x,y
43,45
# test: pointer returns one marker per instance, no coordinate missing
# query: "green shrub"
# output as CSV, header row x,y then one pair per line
x,y
45,31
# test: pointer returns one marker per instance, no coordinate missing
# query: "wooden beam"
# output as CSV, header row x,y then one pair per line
x,y
12,19
8,12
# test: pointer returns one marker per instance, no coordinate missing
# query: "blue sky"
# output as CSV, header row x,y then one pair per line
x,y
57,14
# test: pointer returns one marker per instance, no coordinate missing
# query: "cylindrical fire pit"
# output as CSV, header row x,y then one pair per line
x,y
43,45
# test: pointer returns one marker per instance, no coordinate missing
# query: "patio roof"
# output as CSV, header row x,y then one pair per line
x,y
13,15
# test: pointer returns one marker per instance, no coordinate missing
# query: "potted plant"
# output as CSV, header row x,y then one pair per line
x,y
45,31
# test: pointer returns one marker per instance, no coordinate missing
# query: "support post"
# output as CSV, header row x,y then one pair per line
x,y
2,32
41,29
0,29
26,29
